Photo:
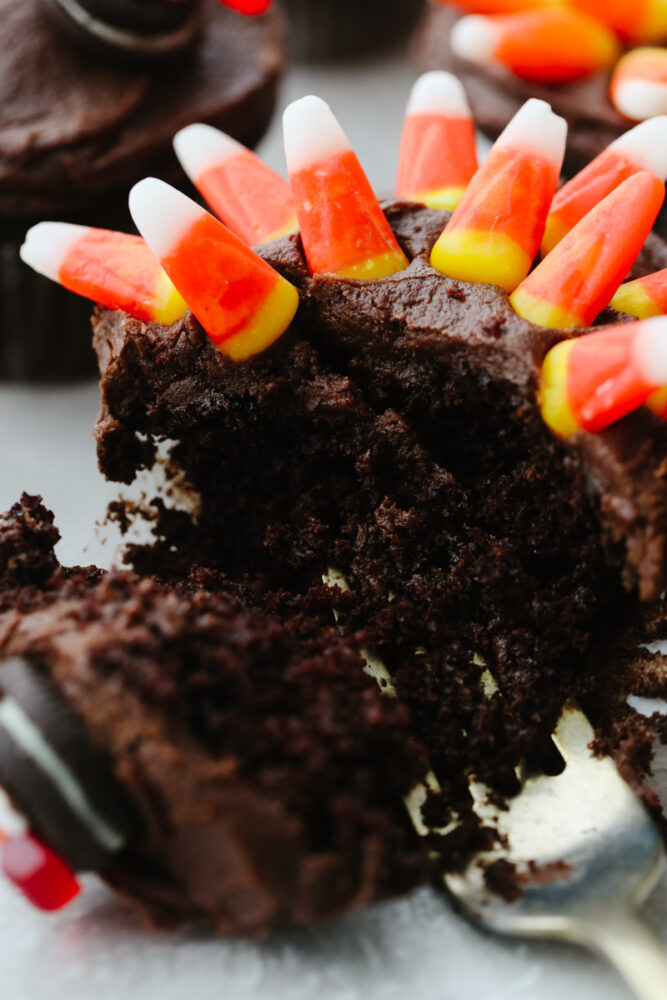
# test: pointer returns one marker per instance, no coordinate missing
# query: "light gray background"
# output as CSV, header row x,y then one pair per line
x,y
416,949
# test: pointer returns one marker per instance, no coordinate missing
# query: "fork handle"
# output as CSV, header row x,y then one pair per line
x,y
634,951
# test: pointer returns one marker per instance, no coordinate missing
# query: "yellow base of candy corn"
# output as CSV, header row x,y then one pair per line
x,y
269,323
657,402
633,300
552,395
377,267
169,304
554,231
491,258
440,198
291,227
542,313
653,27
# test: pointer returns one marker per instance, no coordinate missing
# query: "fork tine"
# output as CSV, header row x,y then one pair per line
x,y
573,733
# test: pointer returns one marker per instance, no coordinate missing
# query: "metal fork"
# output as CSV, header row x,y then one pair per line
x,y
586,850
587,854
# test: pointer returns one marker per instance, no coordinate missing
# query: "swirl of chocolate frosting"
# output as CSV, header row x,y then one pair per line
x,y
135,28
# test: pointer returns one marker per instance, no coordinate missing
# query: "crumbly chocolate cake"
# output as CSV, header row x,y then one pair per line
x,y
263,771
393,434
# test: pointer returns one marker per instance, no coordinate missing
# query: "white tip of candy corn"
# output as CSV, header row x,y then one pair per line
x,y
650,350
639,99
162,214
646,145
47,244
200,147
536,129
312,133
438,92
474,38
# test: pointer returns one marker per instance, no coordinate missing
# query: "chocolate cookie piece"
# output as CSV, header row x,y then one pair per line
x,y
58,778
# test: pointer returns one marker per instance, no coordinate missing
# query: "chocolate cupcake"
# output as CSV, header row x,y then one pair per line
x,y
92,93
326,29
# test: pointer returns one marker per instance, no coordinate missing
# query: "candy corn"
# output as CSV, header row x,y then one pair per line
x,y
250,8
638,87
498,6
643,297
248,196
438,155
114,269
495,232
551,45
594,380
577,279
242,303
343,228
642,148
634,22
41,874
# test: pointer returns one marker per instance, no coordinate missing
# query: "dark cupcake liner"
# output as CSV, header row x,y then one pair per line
x,y
332,29
45,332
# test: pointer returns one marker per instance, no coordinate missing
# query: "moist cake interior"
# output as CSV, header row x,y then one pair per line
x,y
393,434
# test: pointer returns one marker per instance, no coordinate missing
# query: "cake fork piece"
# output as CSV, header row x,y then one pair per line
x,y
585,854
574,856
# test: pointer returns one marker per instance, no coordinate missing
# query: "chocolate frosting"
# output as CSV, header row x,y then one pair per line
x,y
73,128
403,336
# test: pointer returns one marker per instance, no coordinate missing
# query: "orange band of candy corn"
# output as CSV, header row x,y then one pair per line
x,y
638,87
642,148
643,297
254,201
115,269
554,44
241,302
438,153
498,6
640,21
343,229
496,229
578,278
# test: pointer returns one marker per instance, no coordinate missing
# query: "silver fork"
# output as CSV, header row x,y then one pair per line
x,y
587,854
586,850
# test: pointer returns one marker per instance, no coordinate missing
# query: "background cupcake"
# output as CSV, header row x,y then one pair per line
x,y
330,29
90,96
571,65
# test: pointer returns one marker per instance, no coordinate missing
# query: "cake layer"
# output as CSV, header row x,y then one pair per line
x,y
463,368
267,769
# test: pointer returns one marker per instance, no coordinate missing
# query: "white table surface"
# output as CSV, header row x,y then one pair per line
x,y
415,949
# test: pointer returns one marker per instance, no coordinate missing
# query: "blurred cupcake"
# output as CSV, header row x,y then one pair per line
x,y
91,93
506,51
333,29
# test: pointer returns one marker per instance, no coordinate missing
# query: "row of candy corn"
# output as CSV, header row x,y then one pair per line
x,y
492,236
556,44
633,21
